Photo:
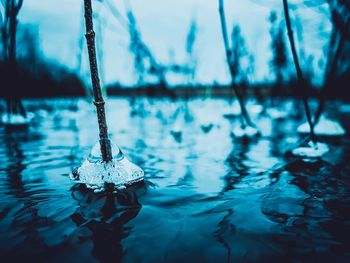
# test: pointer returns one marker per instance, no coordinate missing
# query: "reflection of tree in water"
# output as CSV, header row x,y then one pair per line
x,y
27,220
106,216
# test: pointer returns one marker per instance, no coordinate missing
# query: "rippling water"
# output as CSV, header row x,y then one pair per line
x,y
207,198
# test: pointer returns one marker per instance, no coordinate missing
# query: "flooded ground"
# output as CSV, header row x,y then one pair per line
x,y
208,197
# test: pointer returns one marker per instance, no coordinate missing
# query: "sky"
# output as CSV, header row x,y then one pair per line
x,y
164,25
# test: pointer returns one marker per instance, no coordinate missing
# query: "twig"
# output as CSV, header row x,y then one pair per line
x,y
301,79
330,74
105,143
239,95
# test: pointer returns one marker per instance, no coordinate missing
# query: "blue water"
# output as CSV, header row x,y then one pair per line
x,y
207,196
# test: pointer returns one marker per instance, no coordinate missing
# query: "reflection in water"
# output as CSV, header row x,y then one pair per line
x,y
315,207
106,216
15,157
225,229
237,161
210,197
26,219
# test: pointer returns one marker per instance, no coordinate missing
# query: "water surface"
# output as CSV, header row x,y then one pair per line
x,y
208,197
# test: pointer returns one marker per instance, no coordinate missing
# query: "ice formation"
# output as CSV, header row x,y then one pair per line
x,y
312,150
15,120
245,131
276,113
325,127
95,173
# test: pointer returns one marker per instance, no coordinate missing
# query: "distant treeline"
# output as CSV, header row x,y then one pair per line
x,y
25,72
339,89
50,80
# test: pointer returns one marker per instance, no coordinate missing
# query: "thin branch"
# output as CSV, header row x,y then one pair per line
x,y
18,6
105,143
331,73
239,95
224,28
117,15
301,79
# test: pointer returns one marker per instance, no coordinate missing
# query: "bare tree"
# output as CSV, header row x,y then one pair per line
x,y
279,61
242,61
190,44
9,41
145,62
142,54
232,65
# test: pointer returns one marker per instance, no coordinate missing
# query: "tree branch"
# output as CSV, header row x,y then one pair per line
x,y
18,6
224,29
244,112
331,73
105,143
301,80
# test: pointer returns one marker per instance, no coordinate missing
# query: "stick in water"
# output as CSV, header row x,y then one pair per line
x,y
331,73
105,143
244,112
301,80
